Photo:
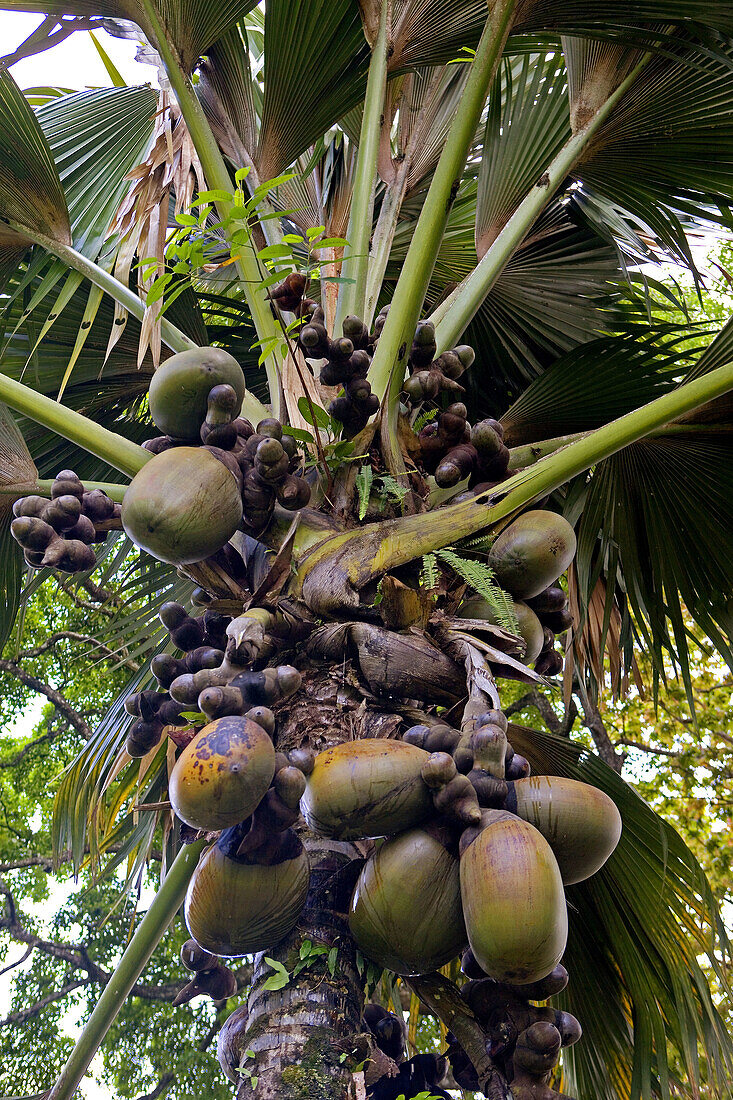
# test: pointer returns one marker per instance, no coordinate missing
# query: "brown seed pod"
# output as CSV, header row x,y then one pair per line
x,y
581,823
183,506
235,908
195,958
366,788
222,776
409,930
538,1048
508,869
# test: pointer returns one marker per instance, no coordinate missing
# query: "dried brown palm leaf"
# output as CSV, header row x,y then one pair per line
x,y
597,637
171,167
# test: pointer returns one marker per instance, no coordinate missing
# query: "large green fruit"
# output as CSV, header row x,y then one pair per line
x,y
366,788
530,627
183,506
405,912
513,900
234,908
532,552
581,823
180,387
221,777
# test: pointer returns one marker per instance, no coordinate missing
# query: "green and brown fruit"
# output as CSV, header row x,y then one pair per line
x,y
179,389
411,930
366,788
530,627
532,552
234,907
183,506
223,774
513,899
581,823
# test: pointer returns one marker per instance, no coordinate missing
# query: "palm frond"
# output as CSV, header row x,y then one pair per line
x,y
110,126
30,189
302,101
652,156
638,929
527,124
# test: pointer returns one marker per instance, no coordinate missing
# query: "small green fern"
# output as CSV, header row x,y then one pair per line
x,y
481,544
391,490
480,577
364,480
424,418
429,576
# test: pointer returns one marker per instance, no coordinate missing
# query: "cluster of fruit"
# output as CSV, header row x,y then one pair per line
x,y
59,533
543,833
523,1039
421,1074
347,361
187,502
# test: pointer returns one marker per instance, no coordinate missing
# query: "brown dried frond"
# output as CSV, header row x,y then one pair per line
x,y
588,646
171,166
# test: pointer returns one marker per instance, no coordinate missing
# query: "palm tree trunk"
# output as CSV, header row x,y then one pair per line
x,y
301,1037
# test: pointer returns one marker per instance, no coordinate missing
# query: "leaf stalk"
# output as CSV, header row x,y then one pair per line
x,y
147,937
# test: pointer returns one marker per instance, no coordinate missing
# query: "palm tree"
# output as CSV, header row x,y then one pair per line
x,y
509,174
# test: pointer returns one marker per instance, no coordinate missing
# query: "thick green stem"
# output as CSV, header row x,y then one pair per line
x,y
352,298
335,571
218,178
529,453
172,337
42,488
125,456
396,338
456,312
384,236
147,937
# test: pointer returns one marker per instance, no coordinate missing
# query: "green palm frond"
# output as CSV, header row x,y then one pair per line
x,y
107,125
31,193
652,157
527,124
638,930
301,102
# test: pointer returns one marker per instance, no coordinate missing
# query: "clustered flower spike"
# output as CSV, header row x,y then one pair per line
x,y
59,533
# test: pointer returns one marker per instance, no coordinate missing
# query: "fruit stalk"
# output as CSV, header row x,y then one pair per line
x,y
394,343
332,574
457,311
141,947
217,177
356,263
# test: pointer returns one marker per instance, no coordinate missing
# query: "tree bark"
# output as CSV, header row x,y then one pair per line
x,y
303,1037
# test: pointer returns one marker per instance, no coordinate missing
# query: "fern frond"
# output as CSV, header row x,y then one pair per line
x,y
480,577
481,544
424,418
429,576
364,480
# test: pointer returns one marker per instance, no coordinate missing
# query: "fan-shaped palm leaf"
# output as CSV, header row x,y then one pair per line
x,y
637,931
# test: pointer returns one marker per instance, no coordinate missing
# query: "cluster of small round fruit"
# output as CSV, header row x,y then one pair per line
x,y
59,533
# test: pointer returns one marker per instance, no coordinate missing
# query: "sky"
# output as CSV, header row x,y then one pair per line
x,y
73,64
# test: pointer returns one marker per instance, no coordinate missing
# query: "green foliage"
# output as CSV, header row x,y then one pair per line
x,y
479,576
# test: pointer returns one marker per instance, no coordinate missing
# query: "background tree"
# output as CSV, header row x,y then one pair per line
x,y
523,225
